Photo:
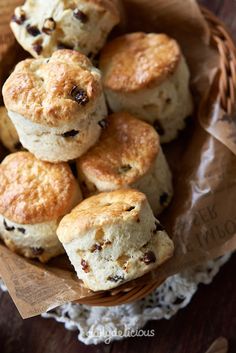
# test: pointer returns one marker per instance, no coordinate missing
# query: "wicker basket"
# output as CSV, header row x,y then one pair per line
x,y
226,88
222,41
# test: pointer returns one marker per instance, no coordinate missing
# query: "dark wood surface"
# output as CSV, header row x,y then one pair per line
x,y
211,313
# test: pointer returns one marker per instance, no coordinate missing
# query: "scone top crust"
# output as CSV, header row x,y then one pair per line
x,y
43,26
138,60
125,151
32,191
36,5
53,91
100,210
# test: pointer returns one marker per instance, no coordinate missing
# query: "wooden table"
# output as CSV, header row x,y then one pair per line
x,y
212,312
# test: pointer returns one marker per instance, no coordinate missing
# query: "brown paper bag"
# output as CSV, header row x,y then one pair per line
x,y
201,218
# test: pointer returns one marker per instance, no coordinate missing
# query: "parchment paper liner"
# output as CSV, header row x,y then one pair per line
x,y
201,218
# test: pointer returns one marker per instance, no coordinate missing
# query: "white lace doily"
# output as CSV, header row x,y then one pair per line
x,y
99,324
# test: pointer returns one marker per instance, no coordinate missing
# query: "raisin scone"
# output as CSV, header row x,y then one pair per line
x,y
56,105
147,75
42,27
112,238
128,154
8,133
34,196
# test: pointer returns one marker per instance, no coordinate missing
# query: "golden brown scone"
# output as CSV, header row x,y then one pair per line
x,y
56,105
146,74
34,195
112,238
128,154
42,27
40,89
138,60
8,133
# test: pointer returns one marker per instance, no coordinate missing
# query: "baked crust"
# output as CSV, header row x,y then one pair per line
x,y
32,191
138,60
126,150
41,90
99,210
42,27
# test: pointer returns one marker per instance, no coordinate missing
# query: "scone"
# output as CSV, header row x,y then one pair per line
x,y
42,27
147,75
56,105
8,133
113,237
128,154
34,196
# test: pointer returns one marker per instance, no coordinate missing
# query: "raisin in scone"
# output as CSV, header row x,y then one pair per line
x,y
56,105
8,133
112,238
42,27
147,75
34,196
128,154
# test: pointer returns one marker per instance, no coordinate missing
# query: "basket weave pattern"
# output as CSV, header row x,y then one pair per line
x,y
221,39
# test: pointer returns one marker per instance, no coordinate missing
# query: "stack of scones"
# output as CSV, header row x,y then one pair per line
x,y
87,174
